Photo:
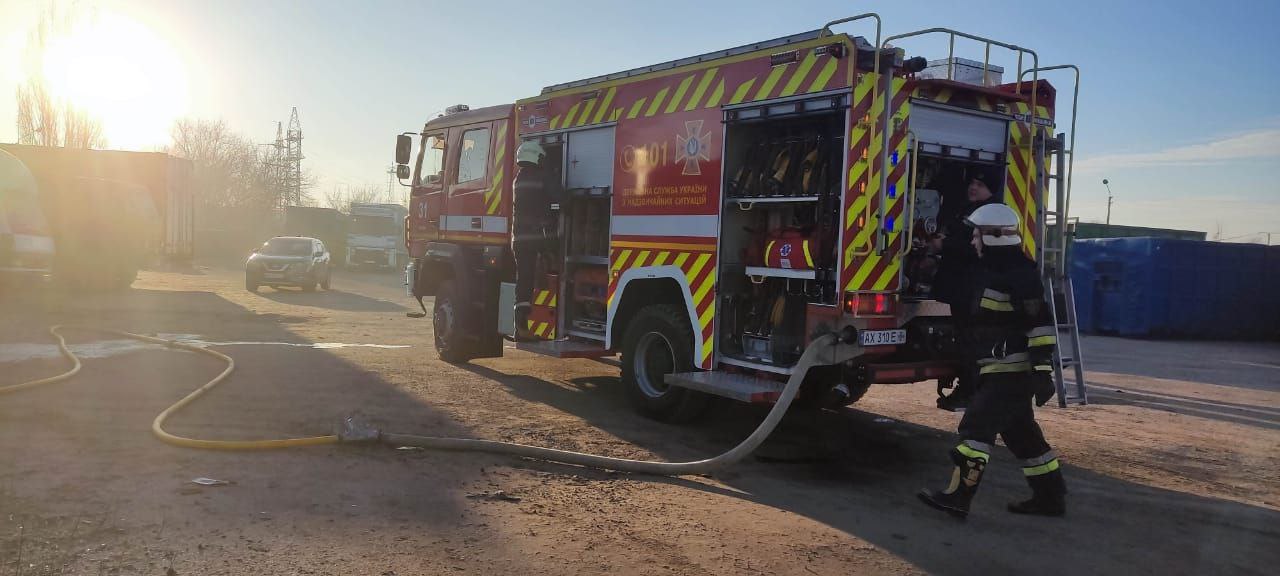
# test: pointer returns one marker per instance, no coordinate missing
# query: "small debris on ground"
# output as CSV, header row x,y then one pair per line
x,y
209,482
494,495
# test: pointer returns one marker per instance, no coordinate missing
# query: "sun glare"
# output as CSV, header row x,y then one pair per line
x,y
121,72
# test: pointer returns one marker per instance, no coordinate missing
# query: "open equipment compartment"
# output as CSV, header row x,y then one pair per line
x,y
779,225
952,146
585,217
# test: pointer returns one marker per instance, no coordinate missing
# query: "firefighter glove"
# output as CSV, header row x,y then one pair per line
x,y
1042,386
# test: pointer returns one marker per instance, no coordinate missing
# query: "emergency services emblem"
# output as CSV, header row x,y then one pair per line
x,y
693,148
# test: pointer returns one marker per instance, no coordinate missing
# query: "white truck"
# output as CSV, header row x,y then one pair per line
x,y
375,236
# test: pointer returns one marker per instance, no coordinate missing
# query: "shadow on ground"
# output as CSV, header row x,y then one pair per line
x,y
858,472
335,299
81,451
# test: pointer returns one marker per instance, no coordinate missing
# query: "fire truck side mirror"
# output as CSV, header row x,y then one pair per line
x,y
402,171
404,146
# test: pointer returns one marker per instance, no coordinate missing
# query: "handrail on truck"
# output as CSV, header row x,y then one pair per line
x,y
881,235
875,73
1071,146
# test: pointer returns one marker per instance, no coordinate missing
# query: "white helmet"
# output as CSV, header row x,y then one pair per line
x,y
998,223
530,152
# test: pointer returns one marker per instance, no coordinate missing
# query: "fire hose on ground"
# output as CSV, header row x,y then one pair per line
x,y
826,349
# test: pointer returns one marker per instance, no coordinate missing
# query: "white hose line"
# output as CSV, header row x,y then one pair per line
x,y
824,350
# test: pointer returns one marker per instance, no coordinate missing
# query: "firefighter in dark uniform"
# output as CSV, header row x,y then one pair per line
x,y
1011,333
531,214
954,282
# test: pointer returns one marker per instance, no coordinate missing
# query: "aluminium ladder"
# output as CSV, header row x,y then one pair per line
x,y
1054,258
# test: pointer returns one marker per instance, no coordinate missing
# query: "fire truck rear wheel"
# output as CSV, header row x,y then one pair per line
x,y
659,341
444,320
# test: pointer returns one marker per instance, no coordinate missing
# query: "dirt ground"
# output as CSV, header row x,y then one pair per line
x,y
1174,468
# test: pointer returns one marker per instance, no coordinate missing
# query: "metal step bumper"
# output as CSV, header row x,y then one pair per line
x,y
566,348
741,387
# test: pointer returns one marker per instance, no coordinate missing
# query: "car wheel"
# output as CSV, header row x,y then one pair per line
x,y
659,341
250,284
328,276
450,344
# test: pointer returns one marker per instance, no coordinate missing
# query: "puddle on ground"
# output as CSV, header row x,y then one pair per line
x,y
23,351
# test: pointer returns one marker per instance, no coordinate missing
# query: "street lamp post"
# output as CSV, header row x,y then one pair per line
x,y
1107,183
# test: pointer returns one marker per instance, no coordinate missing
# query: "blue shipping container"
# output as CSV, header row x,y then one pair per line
x,y
1158,287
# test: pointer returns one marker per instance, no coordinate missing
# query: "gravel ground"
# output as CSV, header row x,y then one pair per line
x,y
1174,468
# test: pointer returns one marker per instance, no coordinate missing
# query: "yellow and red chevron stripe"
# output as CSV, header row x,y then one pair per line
x,y
703,87
698,263
1021,183
493,195
542,317
864,268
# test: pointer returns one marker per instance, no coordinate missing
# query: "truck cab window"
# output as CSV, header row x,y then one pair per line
x,y
474,155
431,161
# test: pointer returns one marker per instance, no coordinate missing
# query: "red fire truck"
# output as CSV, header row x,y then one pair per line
x,y
722,210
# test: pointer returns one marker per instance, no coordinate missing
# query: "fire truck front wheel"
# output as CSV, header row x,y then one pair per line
x,y
450,345
658,341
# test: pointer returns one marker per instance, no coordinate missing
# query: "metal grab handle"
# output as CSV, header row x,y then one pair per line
x,y
911,191
826,28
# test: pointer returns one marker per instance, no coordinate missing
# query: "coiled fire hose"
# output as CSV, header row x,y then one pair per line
x,y
827,349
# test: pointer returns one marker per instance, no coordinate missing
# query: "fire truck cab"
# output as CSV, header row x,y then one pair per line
x,y
721,211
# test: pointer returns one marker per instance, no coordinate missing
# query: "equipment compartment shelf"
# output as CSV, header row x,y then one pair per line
x,y
761,271
746,202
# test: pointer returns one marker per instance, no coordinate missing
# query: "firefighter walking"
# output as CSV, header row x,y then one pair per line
x,y
1010,332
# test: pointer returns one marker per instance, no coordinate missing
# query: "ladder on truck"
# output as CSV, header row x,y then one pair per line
x,y
1054,259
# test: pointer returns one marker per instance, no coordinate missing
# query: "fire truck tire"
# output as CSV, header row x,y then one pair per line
x,y
659,341
449,345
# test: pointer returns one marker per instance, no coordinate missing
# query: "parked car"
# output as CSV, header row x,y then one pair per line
x,y
288,261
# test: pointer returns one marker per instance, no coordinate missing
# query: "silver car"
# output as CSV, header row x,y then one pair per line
x,y
288,261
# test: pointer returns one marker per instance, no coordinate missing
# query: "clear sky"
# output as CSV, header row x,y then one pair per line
x,y
1179,107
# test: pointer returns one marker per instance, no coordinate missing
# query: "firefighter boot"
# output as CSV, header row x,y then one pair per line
x,y
1048,496
965,477
522,332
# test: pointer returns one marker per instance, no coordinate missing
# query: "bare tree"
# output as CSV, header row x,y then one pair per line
x,y
226,165
43,119
342,196
230,171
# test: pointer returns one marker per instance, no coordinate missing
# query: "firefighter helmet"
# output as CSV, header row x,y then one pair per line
x,y
530,152
998,224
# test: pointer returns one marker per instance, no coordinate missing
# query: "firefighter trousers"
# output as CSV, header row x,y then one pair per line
x,y
526,256
526,249
1002,405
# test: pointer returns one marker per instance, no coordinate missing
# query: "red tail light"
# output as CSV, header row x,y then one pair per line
x,y
870,304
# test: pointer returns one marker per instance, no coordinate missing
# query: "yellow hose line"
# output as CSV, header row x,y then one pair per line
x,y
157,425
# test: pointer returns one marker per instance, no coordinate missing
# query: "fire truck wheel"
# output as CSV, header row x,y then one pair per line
x,y
444,323
658,341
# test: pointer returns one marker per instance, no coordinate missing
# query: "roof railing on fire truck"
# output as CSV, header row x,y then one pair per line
x,y
882,235
1062,210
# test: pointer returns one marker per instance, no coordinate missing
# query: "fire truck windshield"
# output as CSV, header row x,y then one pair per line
x,y
431,161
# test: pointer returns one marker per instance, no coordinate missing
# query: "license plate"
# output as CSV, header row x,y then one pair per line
x,y
273,275
883,337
